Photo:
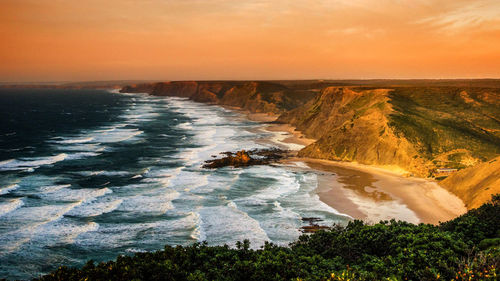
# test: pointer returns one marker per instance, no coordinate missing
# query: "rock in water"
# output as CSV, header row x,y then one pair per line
x,y
244,158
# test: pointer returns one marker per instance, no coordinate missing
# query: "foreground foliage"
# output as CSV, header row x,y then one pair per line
x,y
466,248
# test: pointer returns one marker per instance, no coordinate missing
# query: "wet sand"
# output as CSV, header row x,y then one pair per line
x,y
372,194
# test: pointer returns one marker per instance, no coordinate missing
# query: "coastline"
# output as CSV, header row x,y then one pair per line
x,y
369,193
379,194
366,192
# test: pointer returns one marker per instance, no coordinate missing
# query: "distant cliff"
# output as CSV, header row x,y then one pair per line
x,y
255,96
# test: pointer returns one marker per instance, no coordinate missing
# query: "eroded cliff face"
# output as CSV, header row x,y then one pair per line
x,y
353,126
255,96
418,129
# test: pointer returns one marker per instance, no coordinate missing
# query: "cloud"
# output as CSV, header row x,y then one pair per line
x,y
476,15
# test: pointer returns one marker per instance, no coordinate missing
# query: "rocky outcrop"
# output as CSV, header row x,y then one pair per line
x,y
475,185
247,158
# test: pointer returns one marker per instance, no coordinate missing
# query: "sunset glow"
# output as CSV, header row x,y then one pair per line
x,y
62,40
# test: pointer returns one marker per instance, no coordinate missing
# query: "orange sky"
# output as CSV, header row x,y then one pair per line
x,y
69,40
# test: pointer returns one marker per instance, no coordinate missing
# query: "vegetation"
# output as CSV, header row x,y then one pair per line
x,y
441,120
466,248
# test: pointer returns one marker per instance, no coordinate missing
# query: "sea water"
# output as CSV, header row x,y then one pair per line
x,y
91,174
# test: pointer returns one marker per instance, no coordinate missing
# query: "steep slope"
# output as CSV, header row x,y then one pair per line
x,y
475,185
416,128
451,126
353,126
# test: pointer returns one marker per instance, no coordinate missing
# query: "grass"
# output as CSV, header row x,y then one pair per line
x,y
438,120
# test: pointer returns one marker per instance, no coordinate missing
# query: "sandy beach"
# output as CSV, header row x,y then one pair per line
x,y
370,193
373,194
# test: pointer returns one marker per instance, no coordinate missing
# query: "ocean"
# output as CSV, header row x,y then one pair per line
x,y
93,174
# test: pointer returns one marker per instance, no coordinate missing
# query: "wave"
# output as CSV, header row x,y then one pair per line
x,y
52,188
103,173
118,135
10,205
189,180
31,218
62,231
214,227
279,139
35,162
73,140
110,128
285,182
149,203
82,155
92,209
5,162
76,195
185,126
8,189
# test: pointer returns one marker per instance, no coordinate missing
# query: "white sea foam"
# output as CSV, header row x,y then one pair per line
x,y
82,155
62,231
118,135
95,208
3,163
81,195
188,179
279,139
286,183
32,218
73,140
159,232
214,227
154,202
9,188
34,162
53,188
10,205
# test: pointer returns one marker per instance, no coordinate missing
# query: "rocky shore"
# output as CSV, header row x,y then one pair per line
x,y
247,158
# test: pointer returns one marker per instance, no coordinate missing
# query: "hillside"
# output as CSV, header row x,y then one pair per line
x,y
475,185
416,128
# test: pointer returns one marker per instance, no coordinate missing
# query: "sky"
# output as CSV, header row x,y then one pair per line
x,y
77,40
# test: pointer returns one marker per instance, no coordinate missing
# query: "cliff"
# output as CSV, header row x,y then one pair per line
x,y
418,129
255,96
475,185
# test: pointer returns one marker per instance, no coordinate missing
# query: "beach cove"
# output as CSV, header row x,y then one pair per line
x,y
365,192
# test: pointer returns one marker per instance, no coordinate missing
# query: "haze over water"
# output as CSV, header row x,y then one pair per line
x,y
88,174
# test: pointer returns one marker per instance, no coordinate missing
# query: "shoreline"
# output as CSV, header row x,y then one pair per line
x,y
369,193
378,194
366,192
